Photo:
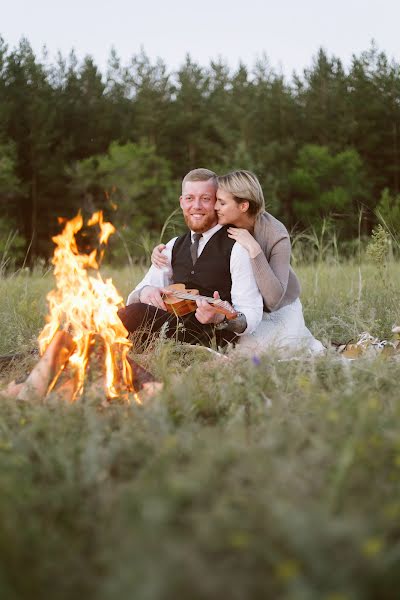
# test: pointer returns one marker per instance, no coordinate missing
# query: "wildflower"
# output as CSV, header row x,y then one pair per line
x,y
239,539
287,570
304,383
392,511
373,403
372,547
333,416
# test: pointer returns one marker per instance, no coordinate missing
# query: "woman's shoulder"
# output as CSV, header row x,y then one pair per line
x,y
267,224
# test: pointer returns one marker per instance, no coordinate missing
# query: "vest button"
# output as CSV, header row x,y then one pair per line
x,y
192,272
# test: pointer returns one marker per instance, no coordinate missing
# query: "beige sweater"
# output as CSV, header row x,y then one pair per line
x,y
275,277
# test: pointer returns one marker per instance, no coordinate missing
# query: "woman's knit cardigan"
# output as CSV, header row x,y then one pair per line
x,y
275,277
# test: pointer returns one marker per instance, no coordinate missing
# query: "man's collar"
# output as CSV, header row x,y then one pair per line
x,y
207,234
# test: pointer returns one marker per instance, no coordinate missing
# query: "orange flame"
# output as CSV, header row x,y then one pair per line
x,y
85,305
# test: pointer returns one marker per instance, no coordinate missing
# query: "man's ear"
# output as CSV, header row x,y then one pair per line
x,y
244,206
180,201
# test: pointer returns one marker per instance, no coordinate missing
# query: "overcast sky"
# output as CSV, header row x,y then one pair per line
x,y
288,31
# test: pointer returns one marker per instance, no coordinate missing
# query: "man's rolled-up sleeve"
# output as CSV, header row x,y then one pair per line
x,y
154,276
246,297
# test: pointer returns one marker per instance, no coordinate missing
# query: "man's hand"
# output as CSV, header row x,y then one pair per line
x,y
152,295
206,312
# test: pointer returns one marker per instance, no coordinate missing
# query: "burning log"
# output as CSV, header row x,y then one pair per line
x,y
12,390
68,390
150,389
53,368
141,378
68,386
44,375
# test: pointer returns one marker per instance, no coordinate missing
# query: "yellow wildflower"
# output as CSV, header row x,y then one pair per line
x,y
287,570
372,546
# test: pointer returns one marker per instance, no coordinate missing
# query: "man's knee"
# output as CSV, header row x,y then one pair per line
x,y
133,315
139,315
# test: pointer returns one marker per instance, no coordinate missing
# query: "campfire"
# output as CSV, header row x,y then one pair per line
x,y
83,342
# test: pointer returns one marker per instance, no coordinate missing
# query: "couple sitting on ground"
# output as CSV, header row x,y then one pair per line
x,y
235,251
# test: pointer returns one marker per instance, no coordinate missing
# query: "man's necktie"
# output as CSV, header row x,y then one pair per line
x,y
195,246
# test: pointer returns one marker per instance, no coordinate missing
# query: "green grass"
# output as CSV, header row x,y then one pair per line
x,y
243,479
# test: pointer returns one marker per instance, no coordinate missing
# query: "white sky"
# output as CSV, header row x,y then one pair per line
x,y
288,31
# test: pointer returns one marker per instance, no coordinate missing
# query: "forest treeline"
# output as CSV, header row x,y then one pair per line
x,y
324,143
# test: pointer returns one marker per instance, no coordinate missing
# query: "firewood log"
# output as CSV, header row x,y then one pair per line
x,y
12,390
45,373
140,376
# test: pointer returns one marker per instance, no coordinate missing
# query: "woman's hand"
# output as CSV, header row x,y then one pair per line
x,y
245,239
158,259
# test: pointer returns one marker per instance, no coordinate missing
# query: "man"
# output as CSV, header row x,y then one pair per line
x,y
205,259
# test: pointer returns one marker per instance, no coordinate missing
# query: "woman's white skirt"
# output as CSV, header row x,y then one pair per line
x,y
283,330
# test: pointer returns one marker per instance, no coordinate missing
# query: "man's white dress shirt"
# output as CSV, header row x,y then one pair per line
x,y
245,294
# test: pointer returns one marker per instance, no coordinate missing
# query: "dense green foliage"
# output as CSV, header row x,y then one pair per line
x,y
324,142
243,478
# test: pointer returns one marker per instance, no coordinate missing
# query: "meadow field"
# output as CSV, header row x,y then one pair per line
x,y
251,477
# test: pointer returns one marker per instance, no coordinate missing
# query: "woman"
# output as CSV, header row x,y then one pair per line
x,y
240,203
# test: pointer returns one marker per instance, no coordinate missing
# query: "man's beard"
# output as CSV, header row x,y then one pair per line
x,y
201,225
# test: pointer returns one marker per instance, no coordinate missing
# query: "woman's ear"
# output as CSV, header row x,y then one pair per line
x,y
244,206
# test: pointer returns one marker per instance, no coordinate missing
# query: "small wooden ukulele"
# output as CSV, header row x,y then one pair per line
x,y
182,301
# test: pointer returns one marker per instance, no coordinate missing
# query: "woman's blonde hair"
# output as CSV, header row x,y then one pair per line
x,y
244,186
